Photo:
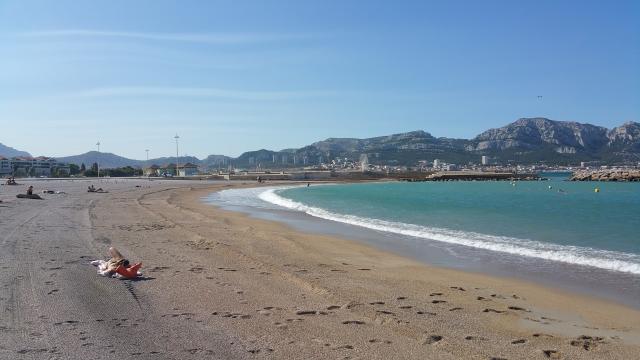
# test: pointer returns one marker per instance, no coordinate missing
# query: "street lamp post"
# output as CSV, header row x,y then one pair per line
x,y
147,150
98,159
177,157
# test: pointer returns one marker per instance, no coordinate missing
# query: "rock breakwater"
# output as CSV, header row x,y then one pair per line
x,y
606,175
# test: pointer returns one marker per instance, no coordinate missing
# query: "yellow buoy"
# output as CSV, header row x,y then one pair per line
x,y
596,190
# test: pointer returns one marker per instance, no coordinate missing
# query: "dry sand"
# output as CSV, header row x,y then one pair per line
x,y
222,285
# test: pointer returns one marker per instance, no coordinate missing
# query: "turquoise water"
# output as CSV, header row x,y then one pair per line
x,y
568,222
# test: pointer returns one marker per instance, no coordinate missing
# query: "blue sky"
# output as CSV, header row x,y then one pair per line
x,y
232,76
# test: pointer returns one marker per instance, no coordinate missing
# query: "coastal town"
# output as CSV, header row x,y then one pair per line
x,y
334,169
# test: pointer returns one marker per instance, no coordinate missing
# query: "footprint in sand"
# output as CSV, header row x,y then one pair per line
x,y
377,303
458,288
587,342
385,312
310,312
519,341
436,294
342,347
479,338
437,301
376,341
431,339
353,322
493,311
517,308
426,313
551,354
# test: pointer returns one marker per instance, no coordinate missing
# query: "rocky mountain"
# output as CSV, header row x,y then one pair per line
x,y
536,133
625,137
9,152
541,139
527,140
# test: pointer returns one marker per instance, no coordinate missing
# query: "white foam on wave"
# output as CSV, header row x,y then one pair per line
x,y
603,259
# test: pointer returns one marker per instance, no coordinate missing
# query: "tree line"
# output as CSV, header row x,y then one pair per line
x,y
93,171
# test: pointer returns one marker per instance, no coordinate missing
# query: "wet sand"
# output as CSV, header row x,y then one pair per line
x,y
223,285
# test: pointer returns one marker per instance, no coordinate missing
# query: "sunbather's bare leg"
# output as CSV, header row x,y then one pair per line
x,y
115,254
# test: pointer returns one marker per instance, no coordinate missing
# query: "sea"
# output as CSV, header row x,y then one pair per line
x,y
582,236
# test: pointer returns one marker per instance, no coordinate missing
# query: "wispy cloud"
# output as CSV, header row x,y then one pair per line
x,y
197,92
206,38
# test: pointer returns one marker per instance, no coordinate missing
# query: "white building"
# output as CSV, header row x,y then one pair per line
x,y
5,166
485,160
436,163
187,169
364,163
28,166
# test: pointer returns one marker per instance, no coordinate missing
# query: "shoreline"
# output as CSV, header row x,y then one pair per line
x,y
567,297
220,283
619,287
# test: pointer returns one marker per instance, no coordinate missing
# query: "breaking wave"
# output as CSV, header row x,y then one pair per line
x,y
603,259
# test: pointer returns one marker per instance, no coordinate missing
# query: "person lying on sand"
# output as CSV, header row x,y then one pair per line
x,y
93,189
115,266
108,268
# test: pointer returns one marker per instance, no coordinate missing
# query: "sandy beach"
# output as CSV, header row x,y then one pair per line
x,y
222,285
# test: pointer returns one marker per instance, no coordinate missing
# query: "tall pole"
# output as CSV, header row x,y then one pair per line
x,y
177,158
98,162
147,150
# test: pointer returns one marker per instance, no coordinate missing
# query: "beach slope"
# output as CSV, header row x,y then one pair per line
x,y
221,285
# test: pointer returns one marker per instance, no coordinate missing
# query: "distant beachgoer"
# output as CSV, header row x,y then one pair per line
x,y
308,184
30,190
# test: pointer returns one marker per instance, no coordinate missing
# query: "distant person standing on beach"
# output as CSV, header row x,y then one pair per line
x,y
30,190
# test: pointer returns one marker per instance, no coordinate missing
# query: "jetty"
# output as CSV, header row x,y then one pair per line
x,y
479,176
606,175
